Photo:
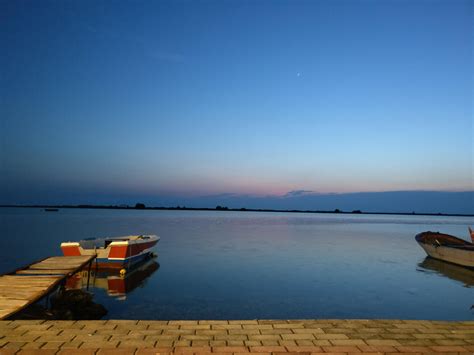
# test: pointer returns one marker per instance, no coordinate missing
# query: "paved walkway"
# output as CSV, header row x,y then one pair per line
x,y
238,337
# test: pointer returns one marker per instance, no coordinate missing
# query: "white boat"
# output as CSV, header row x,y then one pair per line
x,y
447,248
117,252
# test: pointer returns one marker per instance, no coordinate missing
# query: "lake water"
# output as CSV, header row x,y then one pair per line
x,y
245,265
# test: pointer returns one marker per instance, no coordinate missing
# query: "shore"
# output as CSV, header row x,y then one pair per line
x,y
304,337
219,208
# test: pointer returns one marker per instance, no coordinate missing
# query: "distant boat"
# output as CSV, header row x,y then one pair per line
x,y
51,209
447,248
117,252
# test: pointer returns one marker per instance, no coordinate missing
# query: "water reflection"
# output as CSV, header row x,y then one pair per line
x,y
454,272
112,282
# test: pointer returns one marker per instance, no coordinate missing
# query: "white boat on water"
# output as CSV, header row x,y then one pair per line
x,y
116,252
448,248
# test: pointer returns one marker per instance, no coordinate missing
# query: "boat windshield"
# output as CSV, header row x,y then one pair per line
x,y
95,243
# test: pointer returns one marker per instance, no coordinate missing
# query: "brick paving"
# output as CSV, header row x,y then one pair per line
x,y
245,337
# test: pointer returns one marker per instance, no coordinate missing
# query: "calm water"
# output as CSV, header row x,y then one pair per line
x,y
231,265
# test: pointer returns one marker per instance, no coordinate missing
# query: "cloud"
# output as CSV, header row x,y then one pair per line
x,y
297,193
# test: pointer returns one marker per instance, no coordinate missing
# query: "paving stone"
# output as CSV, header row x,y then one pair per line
x,y
321,342
123,322
383,342
135,344
72,344
22,338
148,322
164,343
63,338
250,331
117,351
448,348
136,337
235,337
308,330
122,331
270,343
429,336
331,336
257,326
344,342
236,343
247,321
195,327
396,336
196,343
188,350
341,349
153,351
99,344
213,322
182,343
414,349
226,326
365,336
196,337
77,352
212,332
290,326
37,352
309,349
32,345
217,343
52,345
377,349
162,326
230,349
304,342
276,331
449,342
287,342
267,349
266,337
253,343
14,345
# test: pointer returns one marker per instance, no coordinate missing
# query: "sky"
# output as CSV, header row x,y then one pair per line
x,y
110,101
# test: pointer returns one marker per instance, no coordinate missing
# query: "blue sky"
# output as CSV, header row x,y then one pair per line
x,y
198,98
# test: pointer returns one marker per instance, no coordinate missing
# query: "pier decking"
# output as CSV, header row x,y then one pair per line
x,y
243,337
29,284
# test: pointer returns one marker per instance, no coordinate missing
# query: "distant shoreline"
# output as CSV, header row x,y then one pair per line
x,y
220,209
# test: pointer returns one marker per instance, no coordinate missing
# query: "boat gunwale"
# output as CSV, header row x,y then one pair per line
x,y
424,238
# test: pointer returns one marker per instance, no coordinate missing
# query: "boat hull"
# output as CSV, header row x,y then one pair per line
x,y
447,248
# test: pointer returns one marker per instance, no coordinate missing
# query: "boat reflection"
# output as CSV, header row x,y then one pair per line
x,y
116,285
454,272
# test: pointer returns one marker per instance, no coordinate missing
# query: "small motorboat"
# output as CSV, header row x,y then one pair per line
x,y
448,248
112,253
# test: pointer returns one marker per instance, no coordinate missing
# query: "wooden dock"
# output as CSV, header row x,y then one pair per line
x,y
29,284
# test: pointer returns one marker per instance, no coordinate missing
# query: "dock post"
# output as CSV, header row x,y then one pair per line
x,y
89,274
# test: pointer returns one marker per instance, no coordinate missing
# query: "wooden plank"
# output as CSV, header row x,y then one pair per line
x,y
43,271
6,277
18,293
